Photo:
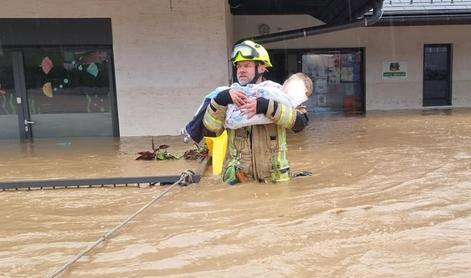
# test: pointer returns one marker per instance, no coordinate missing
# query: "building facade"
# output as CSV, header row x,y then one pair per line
x,y
148,79
128,68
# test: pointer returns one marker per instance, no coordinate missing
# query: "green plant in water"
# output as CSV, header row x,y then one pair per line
x,y
159,153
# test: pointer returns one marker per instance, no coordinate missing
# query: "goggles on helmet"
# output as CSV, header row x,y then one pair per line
x,y
245,51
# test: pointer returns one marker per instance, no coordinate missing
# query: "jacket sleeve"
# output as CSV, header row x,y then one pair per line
x,y
301,121
213,120
285,115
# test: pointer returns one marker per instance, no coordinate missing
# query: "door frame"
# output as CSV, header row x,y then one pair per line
x,y
22,105
450,70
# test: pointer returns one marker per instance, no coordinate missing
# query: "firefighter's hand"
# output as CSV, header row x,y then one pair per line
x,y
238,97
249,109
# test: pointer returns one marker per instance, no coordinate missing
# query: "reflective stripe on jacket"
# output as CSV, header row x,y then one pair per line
x,y
213,119
260,150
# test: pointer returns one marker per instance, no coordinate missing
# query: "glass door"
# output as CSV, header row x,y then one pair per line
x,y
57,92
437,75
338,80
8,106
69,91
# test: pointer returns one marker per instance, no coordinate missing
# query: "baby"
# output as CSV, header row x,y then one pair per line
x,y
299,87
294,92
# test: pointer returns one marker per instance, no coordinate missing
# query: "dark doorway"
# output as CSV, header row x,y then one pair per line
x,y
284,64
437,75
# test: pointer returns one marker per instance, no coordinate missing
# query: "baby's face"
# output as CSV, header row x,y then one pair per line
x,y
296,89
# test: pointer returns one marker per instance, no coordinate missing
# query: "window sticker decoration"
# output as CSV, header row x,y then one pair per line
x,y
47,65
92,69
47,89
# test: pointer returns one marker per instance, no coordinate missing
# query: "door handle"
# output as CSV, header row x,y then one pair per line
x,y
29,122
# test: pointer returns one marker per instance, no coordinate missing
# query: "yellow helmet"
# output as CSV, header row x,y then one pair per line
x,y
250,51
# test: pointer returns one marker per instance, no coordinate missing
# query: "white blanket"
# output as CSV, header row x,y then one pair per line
x,y
292,93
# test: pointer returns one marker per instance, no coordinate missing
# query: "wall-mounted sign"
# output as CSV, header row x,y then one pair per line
x,y
394,70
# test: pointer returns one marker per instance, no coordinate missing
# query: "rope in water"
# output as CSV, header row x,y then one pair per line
x,y
185,179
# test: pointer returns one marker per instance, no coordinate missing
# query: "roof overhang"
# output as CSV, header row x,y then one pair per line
x,y
331,12
425,17
337,15
339,12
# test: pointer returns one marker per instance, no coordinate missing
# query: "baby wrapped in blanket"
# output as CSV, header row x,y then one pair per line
x,y
294,92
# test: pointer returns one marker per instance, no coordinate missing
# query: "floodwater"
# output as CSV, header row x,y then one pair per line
x,y
390,196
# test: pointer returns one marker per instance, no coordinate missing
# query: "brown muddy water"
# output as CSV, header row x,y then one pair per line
x,y
390,196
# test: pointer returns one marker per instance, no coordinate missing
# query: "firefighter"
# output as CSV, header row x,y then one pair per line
x,y
256,152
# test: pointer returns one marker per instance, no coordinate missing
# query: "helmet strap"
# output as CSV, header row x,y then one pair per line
x,y
257,74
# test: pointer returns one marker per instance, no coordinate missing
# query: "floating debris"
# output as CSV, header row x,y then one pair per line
x,y
198,153
159,153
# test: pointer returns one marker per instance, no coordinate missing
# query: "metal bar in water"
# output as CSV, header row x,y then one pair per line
x,y
92,181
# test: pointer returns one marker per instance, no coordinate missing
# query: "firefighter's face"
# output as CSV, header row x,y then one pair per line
x,y
246,71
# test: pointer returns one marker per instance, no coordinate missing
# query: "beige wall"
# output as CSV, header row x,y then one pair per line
x,y
383,44
168,54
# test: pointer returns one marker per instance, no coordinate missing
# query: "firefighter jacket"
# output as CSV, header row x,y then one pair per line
x,y
259,151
